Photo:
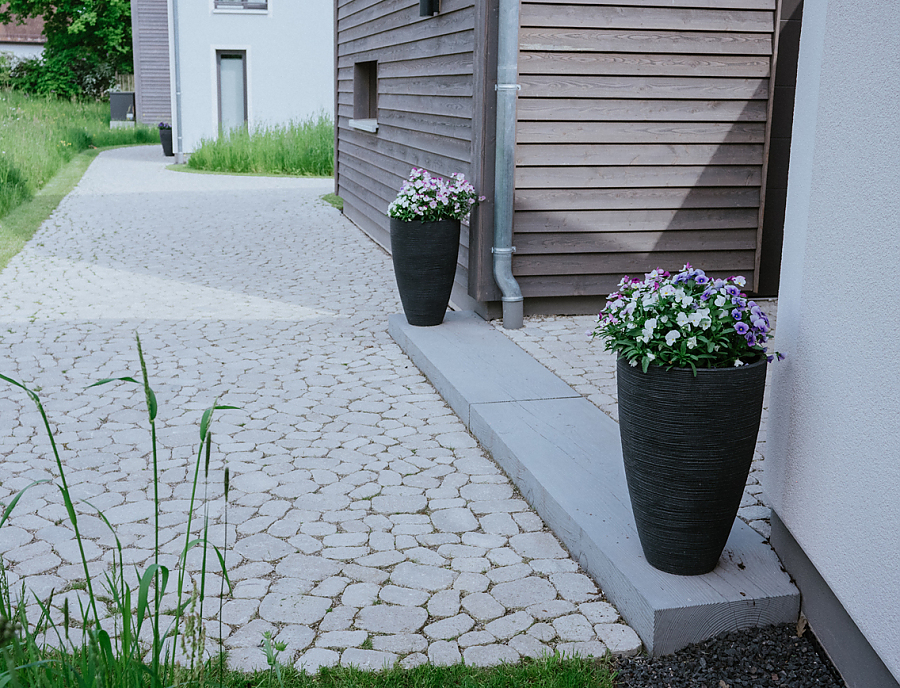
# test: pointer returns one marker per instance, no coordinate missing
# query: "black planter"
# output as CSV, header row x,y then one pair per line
x,y
688,443
424,255
165,138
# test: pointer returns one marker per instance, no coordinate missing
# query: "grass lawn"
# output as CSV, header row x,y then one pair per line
x,y
304,149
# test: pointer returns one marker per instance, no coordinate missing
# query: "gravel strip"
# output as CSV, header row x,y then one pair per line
x,y
755,658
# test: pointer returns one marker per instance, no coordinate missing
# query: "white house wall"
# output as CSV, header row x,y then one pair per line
x,y
21,51
833,464
290,62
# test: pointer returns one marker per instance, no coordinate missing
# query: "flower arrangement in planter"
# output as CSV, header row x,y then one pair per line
x,y
685,320
690,376
425,219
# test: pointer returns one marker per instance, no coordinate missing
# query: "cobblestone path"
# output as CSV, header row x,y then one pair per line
x,y
364,524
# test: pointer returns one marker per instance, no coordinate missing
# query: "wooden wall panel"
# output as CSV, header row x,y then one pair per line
x,y
150,39
426,104
640,139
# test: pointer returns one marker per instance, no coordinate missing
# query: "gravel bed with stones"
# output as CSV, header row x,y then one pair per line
x,y
771,657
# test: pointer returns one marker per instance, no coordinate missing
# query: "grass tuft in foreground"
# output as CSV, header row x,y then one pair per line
x,y
304,149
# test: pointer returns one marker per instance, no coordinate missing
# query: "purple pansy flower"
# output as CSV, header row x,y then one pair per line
x,y
737,313
741,328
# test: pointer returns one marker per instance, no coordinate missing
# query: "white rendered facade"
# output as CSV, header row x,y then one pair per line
x,y
286,53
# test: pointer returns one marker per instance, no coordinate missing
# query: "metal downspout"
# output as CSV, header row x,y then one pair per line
x,y
179,147
505,162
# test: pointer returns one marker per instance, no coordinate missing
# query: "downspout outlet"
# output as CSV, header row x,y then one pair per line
x,y
513,303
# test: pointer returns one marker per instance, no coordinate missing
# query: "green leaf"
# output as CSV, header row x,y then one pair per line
x,y
113,379
151,404
15,500
207,415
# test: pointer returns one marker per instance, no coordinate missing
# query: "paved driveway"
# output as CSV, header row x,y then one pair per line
x,y
365,525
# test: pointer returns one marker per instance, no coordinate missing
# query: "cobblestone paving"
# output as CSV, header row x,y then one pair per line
x,y
364,524
563,344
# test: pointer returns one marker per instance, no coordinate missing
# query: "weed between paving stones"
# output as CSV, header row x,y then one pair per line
x,y
143,643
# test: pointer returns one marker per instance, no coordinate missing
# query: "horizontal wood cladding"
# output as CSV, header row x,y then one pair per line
x,y
150,37
640,139
425,103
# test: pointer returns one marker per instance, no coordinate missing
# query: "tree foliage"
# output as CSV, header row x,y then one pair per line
x,y
88,41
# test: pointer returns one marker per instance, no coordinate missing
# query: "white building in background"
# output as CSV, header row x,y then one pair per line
x,y
236,61
23,41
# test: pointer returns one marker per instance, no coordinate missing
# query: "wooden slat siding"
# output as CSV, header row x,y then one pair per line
x,y
622,242
623,199
150,41
664,18
597,110
641,139
612,177
638,154
635,220
644,87
642,132
604,40
595,64
712,4
547,264
425,103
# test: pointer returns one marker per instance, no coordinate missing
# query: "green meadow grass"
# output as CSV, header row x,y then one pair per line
x,y
39,135
304,148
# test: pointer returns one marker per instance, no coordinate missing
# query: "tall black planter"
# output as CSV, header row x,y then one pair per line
x,y
165,138
424,255
688,443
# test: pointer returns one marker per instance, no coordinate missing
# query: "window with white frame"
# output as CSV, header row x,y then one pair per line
x,y
242,4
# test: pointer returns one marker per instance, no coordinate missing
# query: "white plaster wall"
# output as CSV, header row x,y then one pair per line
x,y
22,51
833,466
290,62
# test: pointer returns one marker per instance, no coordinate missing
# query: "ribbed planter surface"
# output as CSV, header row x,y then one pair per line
x,y
424,255
165,138
688,443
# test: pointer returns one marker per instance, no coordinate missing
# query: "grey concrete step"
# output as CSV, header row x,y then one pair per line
x,y
565,456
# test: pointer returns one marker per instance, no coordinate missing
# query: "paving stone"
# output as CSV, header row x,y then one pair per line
x,y
523,593
505,574
459,520
371,660
483,606
399,504
471,582
247,659
360,595
449,628
403,596
278,608
364,574
312,660
444,603
510,625
341,639
338,619
553,566
444,653
414,660
573,628
389,618
400,643
307,567
330,587
542,631
528,521
621,640
475,638
424,556
590,648
490,655
504,556
429,578
599,612
528,646
550,609
250,634
296,637
537,546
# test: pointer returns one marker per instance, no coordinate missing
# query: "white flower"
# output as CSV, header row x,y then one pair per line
x,y
667,290
633,363
691,342
686,300
682,319
695,318
672,336
720,300
645,337
740,281
650,325
738,363
651,356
